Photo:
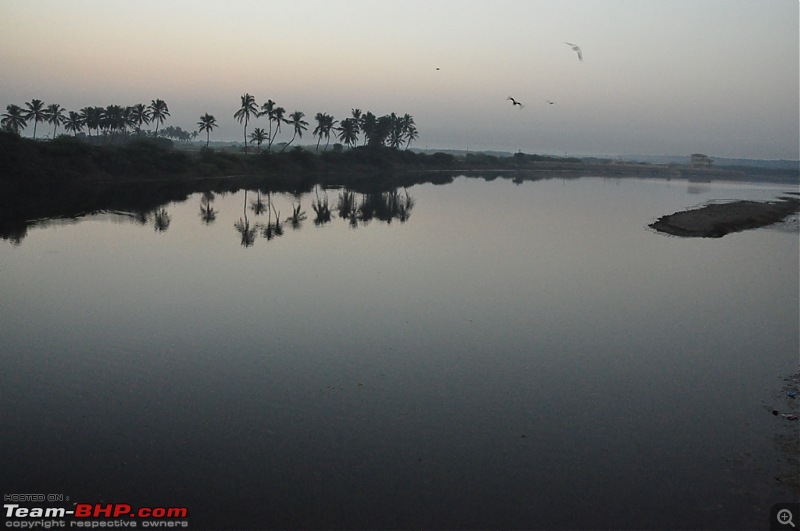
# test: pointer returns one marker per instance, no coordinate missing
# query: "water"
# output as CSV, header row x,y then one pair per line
x,y
498,355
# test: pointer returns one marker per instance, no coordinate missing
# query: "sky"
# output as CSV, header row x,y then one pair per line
x,y
666,77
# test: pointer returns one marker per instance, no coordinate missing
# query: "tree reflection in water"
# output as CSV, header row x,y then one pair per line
x,y
207,212
246,232
161,220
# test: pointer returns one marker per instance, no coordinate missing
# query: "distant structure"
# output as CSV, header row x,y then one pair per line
x,y
701,161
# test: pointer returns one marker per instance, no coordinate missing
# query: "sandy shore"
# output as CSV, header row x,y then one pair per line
x,y
717,220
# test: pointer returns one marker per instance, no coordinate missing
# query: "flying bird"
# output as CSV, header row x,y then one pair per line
x,y
514,102
576,49
550,102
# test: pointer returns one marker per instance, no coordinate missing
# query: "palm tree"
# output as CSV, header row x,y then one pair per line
x,y
35,111
410,132
396,131
325,123
158,112
258,136
54,114
300,125
207,123
140,114
367,123
244,113
268,110
14,118
278,113
92,117
113,120
74,123
348,131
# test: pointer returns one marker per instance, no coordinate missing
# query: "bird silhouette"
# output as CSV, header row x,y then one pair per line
x,y
514,102
576,49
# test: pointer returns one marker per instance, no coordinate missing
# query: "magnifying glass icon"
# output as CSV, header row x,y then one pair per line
x,y
785,517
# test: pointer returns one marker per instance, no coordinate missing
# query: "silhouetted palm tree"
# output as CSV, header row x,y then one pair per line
x,y
279,119
325,124
158,112
14,118
258,136
410,132
54,114
300,125
35,112
367,123
92,117
268,110
348,131
113,120
244,113
73,123
207,123
140,114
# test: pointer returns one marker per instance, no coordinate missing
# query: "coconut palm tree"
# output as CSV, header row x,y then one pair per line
x,y
325,124
244,113
207,123
278,113
14,118
73,123
367,123
348,131
92,117
140,114
36,112
158,112
258,136
410,132
300,125
113,120
54,114
268,110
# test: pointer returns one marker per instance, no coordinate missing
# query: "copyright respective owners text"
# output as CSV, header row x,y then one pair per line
x,y
58,510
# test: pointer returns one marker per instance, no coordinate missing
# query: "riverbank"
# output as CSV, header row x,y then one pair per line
x,y
718,219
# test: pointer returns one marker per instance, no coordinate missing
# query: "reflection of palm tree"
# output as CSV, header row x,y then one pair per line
x,y
207,212
161,220
247,232
270,230
297,217
258,206
347,204
244,229
321,209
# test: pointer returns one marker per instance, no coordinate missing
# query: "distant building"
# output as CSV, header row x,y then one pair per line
x,y
701,161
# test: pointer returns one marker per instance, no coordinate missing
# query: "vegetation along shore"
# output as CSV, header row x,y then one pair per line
x,y
107,149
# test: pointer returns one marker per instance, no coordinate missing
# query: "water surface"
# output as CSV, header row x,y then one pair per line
x,y
500,355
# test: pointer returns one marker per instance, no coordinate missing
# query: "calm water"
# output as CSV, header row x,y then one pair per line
x,y
495,356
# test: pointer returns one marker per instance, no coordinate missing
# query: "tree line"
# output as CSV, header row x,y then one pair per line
x,y
389,130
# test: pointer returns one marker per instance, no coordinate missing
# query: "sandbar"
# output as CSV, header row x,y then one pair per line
x,y
715,220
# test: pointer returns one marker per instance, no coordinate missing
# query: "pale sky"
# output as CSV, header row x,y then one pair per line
x,y
658,77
